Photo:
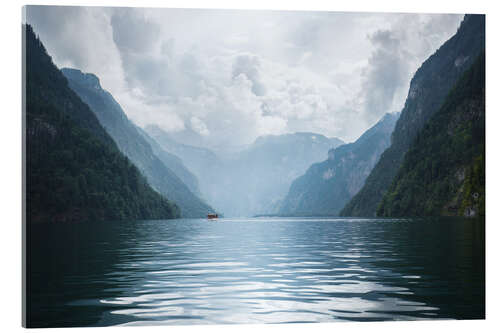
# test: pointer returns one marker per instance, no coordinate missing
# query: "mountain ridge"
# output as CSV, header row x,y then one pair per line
x,y
443,172
428,90
326,186
70,156
250,181
134,145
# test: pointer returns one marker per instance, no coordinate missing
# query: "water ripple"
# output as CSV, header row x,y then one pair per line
x,y
275,271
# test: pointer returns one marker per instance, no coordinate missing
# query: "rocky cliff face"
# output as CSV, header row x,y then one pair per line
x,y
327,186
443,171
428,90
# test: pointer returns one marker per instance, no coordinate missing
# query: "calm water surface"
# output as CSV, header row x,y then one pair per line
x,y
265,270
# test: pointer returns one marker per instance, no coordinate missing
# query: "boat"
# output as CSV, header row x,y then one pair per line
x,y
212,216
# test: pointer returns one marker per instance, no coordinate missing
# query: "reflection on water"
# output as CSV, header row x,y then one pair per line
x,y
256,271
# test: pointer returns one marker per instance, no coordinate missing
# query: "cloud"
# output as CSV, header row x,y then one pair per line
x,y
397,51
133,32
199,126
186,71
387,71
79,37
249,66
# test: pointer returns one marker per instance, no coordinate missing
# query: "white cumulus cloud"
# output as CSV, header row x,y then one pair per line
x,y
211,77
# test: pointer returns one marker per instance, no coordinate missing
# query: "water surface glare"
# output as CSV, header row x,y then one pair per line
x,y
262,270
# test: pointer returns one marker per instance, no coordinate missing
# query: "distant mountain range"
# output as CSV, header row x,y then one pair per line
x,y
429,88
155,163
254,180
326,186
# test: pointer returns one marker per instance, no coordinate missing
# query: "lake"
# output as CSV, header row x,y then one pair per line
x,y
261,270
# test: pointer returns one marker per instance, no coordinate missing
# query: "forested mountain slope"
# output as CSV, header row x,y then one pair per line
x,y
74,170
443,172
428,90
134,145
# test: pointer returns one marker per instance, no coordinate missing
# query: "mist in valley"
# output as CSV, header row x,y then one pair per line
x,y
253,179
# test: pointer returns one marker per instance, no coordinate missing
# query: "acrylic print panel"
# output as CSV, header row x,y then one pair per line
x,y
189,166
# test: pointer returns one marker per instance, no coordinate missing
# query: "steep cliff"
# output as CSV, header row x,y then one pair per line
x,y
326,187
443,171
134,145
74,170
428,90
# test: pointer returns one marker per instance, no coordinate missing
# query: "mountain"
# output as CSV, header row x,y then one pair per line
x,y
327,186
428,90
174,163
135,146
74,170
251,181
200,161
443,171
263,172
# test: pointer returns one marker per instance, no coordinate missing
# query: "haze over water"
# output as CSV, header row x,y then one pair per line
x,y
263,270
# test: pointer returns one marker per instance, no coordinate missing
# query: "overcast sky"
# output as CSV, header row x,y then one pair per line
x,y
228,76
